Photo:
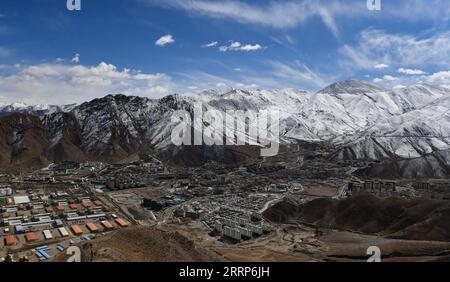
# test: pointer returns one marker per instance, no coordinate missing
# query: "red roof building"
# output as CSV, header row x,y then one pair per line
x,y
107,225
122,222
10,241
76,229
30,237
92,227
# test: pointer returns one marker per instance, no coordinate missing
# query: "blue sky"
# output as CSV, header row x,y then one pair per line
x,y
152,48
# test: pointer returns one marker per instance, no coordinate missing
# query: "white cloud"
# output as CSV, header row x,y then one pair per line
x,y
377,80
440,77
59,60
76,59
62,84
389,78
237,46
381,66
250,47
411,71
210,45
398,50
164,40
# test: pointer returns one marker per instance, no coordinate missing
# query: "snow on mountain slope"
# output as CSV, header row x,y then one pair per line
x,y
38,110
362,120
409,135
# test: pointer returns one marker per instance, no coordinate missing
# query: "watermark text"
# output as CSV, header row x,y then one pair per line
x,y
74,5
207,126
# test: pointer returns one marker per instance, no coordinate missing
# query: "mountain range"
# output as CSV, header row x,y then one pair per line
x,y
362,121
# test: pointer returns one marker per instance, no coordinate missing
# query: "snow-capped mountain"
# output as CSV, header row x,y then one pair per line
x,y
360,119
363,120
38,110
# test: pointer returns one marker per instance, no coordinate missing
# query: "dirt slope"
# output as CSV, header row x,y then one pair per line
x,y
411,219
145,244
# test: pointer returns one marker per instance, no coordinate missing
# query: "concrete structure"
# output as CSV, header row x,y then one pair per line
x,y
218,226
378,187
63,232
18,229
48,235
5,192
18,200
258,230
246,232
232,233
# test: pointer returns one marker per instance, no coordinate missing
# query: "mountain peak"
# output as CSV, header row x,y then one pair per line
x,y
351,87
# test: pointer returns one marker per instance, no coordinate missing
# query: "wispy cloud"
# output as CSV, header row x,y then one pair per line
x,y
210,45
165,40
398,50
290,14
411,71
272,74
381,66
298,73
277,14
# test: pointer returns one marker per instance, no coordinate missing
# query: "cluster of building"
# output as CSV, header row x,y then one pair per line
x,y
5,190
134,175
240,228
232,217
162,203
382,188
39,215
431,189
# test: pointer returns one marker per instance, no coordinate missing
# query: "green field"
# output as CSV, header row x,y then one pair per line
x,y
2,201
